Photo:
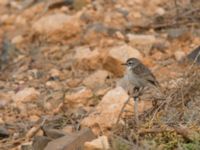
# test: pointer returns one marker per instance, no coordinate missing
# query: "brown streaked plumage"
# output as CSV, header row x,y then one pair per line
x,y
137,77
138,74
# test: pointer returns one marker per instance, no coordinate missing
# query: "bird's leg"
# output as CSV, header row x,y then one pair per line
x,y
136,110
136,94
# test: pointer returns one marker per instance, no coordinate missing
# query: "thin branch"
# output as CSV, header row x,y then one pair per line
x,y
122,110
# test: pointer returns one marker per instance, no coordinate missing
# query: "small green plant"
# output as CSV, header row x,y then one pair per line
x,y
118,144
194,144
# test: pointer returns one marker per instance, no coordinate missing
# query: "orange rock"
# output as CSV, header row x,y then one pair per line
x,y
34,118
179,55
68,129
95,80
57,23
118,55
48,106
142,42
17,39
107,111
3,2
157,55
87,59
114,19
20,20
101,91
56,85
95,33
101,143
34,131
26,95
55,73
78,97
8,19
72,83
148,62
5,98
2,121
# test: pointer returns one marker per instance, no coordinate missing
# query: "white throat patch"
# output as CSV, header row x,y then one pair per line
x,y
129,67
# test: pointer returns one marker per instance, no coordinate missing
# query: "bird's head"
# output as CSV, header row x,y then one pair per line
x,y
131,63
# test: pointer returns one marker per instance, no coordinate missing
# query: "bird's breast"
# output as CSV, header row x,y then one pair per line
x,y
135,79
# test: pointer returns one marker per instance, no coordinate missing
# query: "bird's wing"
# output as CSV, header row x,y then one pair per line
x,y
143,72
151,78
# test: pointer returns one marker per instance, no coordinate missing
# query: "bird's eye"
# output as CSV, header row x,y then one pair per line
x,y
129,63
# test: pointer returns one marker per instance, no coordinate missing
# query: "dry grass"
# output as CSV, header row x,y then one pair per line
x,y
172,123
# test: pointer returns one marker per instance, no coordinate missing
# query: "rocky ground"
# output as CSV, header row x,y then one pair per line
x,y
60,62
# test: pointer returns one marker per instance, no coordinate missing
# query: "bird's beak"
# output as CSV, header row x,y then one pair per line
x,y
124,64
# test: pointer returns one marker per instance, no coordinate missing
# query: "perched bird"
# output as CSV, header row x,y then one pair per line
x,y
139,75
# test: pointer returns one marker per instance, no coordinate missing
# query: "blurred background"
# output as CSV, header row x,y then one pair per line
x,y
60,61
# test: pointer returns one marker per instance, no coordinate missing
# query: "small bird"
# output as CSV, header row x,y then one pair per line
x,y
139,75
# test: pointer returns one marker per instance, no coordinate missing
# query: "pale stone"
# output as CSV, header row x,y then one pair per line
x,y
1,121
4,2
95,80
82,52
15,4
88,59
137,15
179,55
94,34
160,11
102,91
7,19
78,97
5,98
114,19
48,106
72,83
20,20
33,131
120,35
26,95
142,42
123,52
56,85
101,143
48,23
59,22
118,55
17,39
108,110
68,129
34,118
55,73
